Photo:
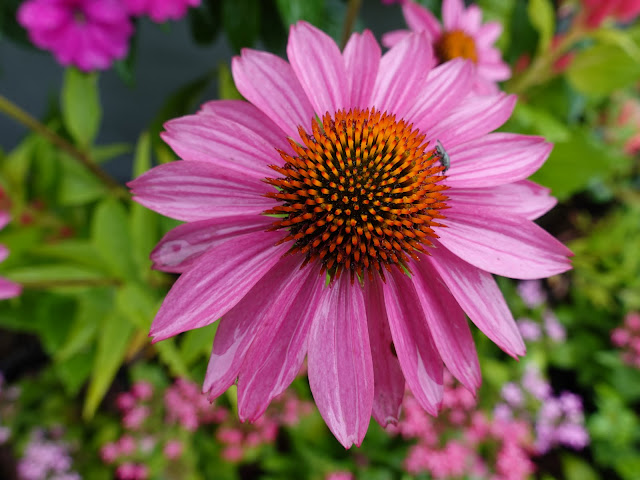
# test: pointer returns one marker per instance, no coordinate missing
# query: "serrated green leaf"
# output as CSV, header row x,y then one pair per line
x,y
542,16
115,333
111,236
81,111
602,69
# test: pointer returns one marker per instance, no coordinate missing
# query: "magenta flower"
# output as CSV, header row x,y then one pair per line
x,y
461,34
88,34
160,10
8,289
320,222
597,11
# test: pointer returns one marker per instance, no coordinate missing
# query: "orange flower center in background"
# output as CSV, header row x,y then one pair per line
x,y
362,194
455,44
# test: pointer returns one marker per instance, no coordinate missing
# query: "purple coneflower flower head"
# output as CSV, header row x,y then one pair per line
x,y
8,289
308,206
461,35
88,34
160,10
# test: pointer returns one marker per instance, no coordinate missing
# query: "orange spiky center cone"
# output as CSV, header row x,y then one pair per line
x,y
456,44
362,193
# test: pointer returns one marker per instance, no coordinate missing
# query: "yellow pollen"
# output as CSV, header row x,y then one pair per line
x,y
362,194
456,44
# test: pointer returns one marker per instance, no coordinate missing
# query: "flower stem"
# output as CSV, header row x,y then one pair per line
x,y
15,112
352,14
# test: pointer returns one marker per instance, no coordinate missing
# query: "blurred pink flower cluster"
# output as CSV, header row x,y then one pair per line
x,y
91,34
535,298
46,456
154,422
8,289
597,11
627,339
450,445
558,420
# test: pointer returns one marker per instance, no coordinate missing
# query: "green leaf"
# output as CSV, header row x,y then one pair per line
x,y
542,16
241,20
170,356
538,121
602,69
74,371
312,11
77,185
115,333
102,153
76,250
81,109
197,343
111,236
51,272
137,303
576,469
205,22
226,86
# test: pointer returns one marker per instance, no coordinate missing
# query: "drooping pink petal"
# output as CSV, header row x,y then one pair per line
x,y
503,244
419,359
182,247
448,326
506,158
9,289
216,283
362,59
277,352
452,11
339,360
259,308
411,60
192,191
226,143
394,37
270,84
387,374
447,85
474,117
420,19
319,66
479,296
523,198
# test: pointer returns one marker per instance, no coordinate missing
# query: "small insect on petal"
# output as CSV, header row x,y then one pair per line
x,y
443,156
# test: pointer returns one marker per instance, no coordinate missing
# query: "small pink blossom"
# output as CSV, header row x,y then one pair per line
x,y
173,449
142,390
85,33
160,10
8,289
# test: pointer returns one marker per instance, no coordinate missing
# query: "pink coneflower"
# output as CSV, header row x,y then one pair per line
x,y
160,10
88,34
307,208
8,289
461,35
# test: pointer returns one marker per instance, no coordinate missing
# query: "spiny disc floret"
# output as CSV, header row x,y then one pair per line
x,y
360,194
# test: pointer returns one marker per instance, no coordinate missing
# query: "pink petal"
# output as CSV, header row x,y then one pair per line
x,y
192,191
503,244
474,117
184,245
419,359
340,365
9,289
446,86
270,84
277,352
4,219
403,71
448,326
362,59
216,283
489,33
258,309
4,253
248,115
319,66
394,37
479,296
387,375
523,198
225,143
420,19
452,11
471,19
495,159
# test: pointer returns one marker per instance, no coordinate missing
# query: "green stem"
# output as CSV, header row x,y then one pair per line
x,y
14,111
541,69
352,14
